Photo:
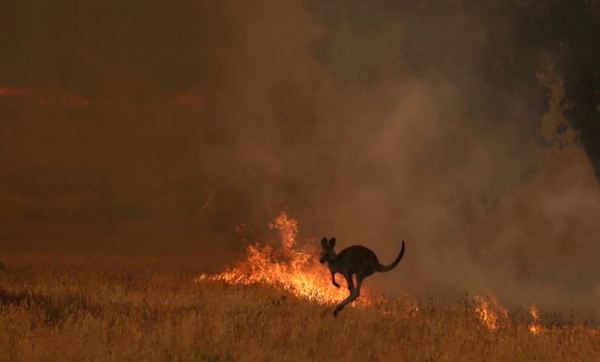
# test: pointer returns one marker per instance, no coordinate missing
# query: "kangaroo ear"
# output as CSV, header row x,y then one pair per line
x,y
324,243
332,243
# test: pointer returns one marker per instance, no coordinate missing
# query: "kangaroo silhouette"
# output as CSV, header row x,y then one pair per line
x,y
355,259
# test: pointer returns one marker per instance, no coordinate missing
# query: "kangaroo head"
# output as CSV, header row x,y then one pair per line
x,y
327,254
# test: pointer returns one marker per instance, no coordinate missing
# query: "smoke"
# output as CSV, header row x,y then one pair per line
x,y
370,123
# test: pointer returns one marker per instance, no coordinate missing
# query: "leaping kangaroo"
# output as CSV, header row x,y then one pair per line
x,y
355,259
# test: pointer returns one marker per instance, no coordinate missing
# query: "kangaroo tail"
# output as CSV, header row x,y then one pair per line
x,y
385,268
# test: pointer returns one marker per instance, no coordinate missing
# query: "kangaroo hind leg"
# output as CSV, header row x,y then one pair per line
x,y
354,293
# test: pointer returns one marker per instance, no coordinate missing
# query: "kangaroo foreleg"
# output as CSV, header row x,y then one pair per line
x,y
333,280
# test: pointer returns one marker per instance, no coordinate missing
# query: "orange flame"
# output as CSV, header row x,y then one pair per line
x,y
288,229
535,327
489,311
289,267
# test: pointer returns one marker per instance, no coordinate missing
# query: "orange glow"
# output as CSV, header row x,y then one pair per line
x,y
291,267
491,314
11,92
189,99
535,327
46,97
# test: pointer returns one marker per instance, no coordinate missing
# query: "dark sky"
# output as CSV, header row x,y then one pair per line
x,y
469,126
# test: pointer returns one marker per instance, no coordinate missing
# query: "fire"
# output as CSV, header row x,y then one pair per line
x,y
290,267
288,228
489,311
535,326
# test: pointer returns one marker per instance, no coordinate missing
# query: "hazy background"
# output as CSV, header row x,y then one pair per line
x,y
471,129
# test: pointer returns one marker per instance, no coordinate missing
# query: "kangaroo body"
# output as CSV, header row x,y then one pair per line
x,y
354,260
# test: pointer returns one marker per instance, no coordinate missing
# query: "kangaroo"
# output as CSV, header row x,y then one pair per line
x,y
355,259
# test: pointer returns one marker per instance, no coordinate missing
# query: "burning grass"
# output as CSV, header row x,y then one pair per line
x,y
272,305
490,312
132,309
288,266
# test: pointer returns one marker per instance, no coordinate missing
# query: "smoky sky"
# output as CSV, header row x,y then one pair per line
x,y
467,128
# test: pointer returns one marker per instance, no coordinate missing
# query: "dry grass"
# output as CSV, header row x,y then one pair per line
x,y
115,310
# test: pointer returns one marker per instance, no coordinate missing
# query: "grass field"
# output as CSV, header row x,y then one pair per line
x,y
74,309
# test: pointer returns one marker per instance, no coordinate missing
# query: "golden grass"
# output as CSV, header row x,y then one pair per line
x,y
115,310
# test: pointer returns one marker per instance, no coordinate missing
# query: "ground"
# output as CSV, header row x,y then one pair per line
x,y
71,309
